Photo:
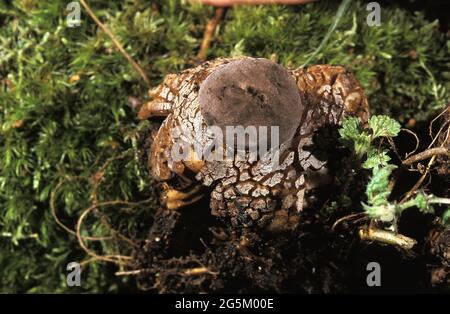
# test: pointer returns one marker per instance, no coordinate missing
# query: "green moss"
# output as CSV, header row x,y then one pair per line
x,y
55,126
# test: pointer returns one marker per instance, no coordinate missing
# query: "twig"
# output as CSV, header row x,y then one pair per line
x,y
348,217
433,158
387,237
419,183
108,258
426,154
430,129
209,33
417,141
199,271
129,272
118,259
119,46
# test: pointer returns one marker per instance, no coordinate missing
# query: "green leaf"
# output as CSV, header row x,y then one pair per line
x,y
362,144
377,189
376,158
350,129
421,202
353,136
382,125
377,192
384,213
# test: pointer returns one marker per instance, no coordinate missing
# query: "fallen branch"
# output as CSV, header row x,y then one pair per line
x,y
426,154
386,237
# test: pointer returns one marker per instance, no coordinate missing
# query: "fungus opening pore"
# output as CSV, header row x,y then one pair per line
x,y
252,92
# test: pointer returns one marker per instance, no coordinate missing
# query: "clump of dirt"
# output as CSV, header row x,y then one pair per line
x,y
238,261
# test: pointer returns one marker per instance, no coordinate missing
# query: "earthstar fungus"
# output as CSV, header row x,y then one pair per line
x,y
247,91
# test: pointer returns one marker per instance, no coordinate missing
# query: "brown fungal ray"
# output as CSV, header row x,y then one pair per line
x,y
329,93
251,92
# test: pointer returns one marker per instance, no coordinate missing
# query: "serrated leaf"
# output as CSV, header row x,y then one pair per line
x,y
376,159
353,136
382,125
384,213
377,189
350,129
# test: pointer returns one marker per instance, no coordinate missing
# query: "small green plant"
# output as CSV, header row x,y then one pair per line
x,y
378,206
378,191
361,139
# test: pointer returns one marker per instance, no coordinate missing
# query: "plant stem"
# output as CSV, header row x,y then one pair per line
x,y
438,200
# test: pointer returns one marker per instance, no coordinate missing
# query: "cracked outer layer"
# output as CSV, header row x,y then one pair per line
x,y
252,193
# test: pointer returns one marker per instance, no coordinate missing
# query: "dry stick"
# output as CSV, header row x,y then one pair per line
x,y
202,269
116,42
419,183
199,271
417,141
107,258
430,129
56,218
209,33
388,237
129,272
430,163
439,132
426,154
86,262
340,220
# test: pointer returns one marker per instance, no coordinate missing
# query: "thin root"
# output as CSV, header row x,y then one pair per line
x,y
348,217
